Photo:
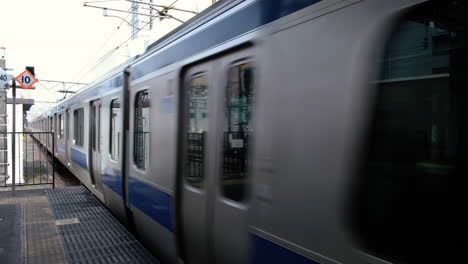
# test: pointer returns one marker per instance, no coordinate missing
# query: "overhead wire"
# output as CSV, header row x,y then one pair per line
x,y
167,9
101,1
120,45
116,48
100,48
48,88
173,3
107,55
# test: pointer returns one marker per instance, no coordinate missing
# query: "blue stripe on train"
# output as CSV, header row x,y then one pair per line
x,y
266,251
79,158
151,201
112,178
159,206
257,14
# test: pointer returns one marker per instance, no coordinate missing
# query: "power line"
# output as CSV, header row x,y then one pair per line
x,y
163,13
116,48
106,15
100,48
100,1
48,88
63,82
107,55
164,7
119,10
173,3
44,102
58,83
96,53
152,17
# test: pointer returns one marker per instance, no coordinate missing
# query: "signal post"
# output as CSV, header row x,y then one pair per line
x,y
26,80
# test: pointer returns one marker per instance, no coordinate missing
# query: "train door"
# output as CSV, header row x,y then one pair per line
x,y
95,144
218,106
234,129
195,185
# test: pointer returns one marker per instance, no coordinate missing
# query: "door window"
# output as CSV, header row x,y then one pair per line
x,y
94,128
115,129
67,124
237,131
78,126
197,129
141,130
98,127
60,126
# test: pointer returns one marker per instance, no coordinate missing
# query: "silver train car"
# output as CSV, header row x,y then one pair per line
x,y
307,131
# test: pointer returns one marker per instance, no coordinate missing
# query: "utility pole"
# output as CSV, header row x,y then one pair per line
x,y
2,58
135,20
151,20
13,138
4,82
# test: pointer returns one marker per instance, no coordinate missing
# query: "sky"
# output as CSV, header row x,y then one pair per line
x,y
66,41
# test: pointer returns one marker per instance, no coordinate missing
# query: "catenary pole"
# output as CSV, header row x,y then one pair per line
x,y
13,138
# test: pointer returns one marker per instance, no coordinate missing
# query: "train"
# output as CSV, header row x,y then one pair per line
x,y
260,131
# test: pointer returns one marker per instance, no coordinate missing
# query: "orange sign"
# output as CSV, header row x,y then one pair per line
x,y
26,79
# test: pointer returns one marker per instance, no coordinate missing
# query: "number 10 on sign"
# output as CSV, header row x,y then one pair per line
x,y
26,79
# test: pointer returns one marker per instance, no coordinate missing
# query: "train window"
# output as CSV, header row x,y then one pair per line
x,y
407,197
99,130
78,126
51,129
141,130
237,131
95,117
67,124
60,126
115,129
197,129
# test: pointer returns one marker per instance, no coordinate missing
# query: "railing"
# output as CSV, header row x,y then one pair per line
x,y
195,157
235,154
32,164
235,161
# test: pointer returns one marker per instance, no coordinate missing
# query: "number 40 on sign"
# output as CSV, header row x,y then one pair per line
x,y
26,79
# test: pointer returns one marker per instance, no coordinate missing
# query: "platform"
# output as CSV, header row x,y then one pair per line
x,y
63,225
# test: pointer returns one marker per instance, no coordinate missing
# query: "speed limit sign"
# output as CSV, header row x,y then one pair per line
x,y
4,78
26,79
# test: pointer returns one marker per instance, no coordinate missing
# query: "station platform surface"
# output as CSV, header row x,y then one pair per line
x,y
63,225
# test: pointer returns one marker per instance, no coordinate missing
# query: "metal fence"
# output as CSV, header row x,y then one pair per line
x,y
195,157
235,154
235,161
32,164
